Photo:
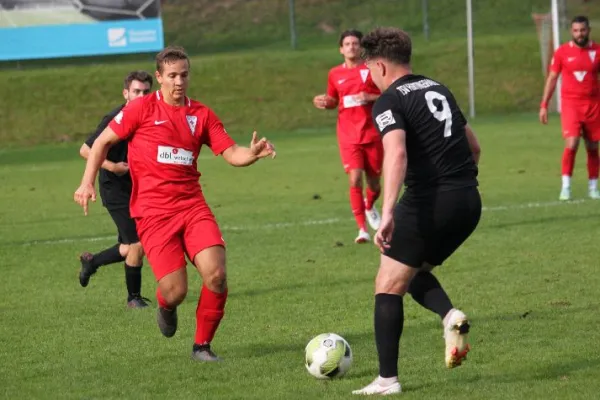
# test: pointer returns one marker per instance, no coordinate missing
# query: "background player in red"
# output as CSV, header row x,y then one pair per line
x,y
166,130
351,90
579,63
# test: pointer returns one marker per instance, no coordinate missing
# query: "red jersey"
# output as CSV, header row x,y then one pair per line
x,y
164,143
354,124
579,67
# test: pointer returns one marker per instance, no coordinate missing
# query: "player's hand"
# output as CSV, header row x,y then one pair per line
x,y
120,168
544,115
262,148
383,237
83,194
362,97
320,101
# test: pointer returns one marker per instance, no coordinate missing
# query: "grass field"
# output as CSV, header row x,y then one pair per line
x,y
37,16
527,278
243,66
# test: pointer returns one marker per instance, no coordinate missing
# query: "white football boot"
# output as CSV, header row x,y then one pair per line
x,y
381,386
373,217
594,194
456,334
565,194
363,237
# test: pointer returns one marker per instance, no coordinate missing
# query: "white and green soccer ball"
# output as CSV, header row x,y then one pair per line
x,y
328,356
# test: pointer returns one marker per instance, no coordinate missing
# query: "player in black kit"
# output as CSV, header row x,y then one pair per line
x,y
115,191
430,148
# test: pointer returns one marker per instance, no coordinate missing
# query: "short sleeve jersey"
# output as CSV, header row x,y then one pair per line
x,y
164,144
115,190
579,68
437,149
354,123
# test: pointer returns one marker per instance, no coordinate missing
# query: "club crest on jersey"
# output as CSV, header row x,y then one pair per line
x,y
592,54
579,75
363,74
191,120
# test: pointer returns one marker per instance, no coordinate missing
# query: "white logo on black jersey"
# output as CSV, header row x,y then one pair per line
x,y
385,119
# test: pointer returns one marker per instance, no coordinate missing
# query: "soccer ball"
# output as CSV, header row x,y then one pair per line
x,y
328,356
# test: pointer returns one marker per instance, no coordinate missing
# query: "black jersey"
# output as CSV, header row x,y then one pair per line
x,y
438,154
115,190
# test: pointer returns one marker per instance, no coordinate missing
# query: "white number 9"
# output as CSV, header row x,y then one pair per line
x,y
443,116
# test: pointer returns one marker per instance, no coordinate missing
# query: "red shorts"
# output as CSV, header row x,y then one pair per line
x,y
367,156
581,118
167,239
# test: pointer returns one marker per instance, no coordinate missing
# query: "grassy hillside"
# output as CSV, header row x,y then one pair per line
x,y
263,84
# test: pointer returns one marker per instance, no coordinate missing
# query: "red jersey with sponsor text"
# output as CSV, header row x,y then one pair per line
x,y
354,124
164,143
579,67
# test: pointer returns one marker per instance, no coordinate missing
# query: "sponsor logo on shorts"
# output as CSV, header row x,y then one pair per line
x,y
385,119
174,155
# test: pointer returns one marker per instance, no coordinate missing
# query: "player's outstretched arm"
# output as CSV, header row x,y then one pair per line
x,y
240,156
96,157
473,143
548,91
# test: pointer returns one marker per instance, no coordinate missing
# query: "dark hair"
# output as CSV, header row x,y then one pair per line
x,y
170,55
350,32
581,19
392,44
141,76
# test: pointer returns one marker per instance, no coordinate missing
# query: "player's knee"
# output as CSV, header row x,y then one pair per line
x,y
572,143
391,285
124,250
174,294
136,252
216,280
374,184
355,177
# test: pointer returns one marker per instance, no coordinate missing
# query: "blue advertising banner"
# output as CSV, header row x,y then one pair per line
x,y
34,29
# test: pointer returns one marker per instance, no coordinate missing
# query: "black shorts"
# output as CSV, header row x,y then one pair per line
x,y
429,229
125,225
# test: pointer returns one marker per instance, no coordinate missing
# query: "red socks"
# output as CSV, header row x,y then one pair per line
x,y
568,162
358,206
593,164
210,311
371,198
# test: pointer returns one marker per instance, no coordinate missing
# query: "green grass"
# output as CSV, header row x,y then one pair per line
x,y
526,278
245,70
264,90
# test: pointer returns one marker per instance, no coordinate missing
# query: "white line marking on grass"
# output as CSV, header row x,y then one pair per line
x,y
327,221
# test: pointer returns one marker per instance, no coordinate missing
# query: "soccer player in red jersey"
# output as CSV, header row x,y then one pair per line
x,y
579,63
351,90
166,130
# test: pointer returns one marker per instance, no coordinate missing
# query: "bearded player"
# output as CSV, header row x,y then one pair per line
x,y
166,130
579,63
351,90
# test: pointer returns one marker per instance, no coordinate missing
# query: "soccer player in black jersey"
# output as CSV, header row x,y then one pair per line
x,y
429,148
115,191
